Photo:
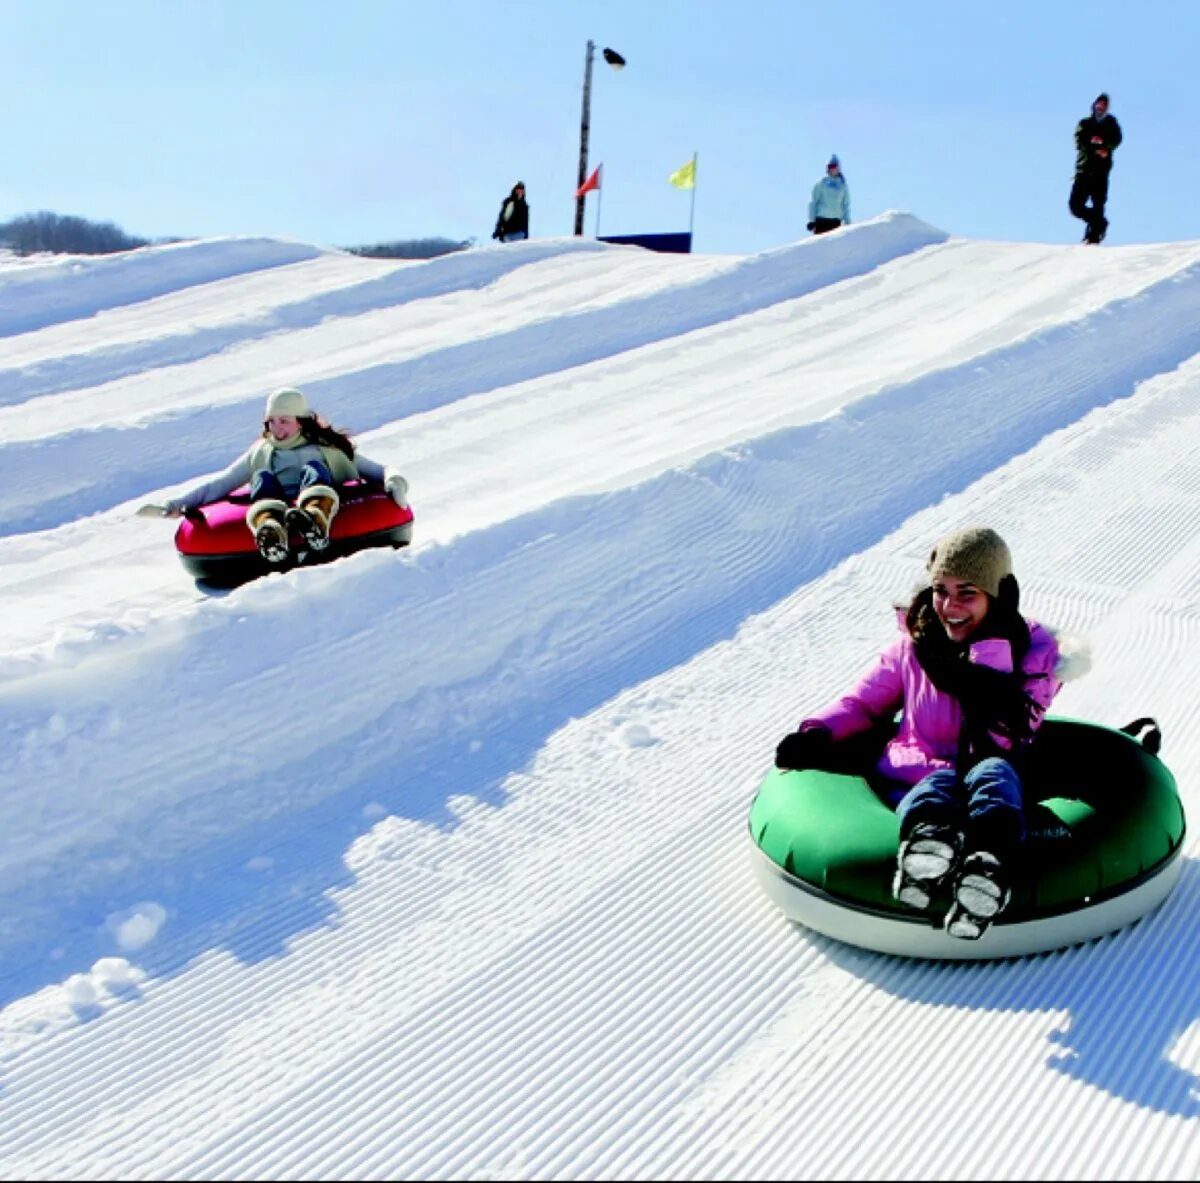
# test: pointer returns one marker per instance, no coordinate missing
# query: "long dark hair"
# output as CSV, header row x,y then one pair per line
x,y
993,703
317,431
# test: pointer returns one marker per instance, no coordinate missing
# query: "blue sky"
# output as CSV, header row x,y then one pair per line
x,y
351,121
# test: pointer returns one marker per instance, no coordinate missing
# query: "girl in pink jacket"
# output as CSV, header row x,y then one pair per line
x,y
972,679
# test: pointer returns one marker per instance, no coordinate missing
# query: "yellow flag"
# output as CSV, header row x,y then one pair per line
x,y
685,178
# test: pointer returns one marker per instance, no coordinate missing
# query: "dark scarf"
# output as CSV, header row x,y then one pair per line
x,y
992,702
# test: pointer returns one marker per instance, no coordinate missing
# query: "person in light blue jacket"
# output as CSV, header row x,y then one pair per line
x,y
830,204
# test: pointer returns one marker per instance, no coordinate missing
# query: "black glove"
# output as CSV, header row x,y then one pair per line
x,y
811,226
1009,593
806,748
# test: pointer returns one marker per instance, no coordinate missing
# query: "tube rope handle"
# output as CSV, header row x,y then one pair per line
x,y
1152,740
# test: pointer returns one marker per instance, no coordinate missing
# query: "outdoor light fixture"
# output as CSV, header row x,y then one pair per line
x,y
617,62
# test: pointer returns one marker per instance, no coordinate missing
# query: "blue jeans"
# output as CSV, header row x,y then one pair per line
x,y
986,805
264,483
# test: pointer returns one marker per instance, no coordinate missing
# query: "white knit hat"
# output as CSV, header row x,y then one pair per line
x,y
287,402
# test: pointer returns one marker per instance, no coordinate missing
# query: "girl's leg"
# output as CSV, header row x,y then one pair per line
x,y
937,800
315,472
264,483
316,505
995,830
265,517
995,809
930,837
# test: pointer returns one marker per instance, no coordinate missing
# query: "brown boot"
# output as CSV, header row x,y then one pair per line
x,y
265,519
313,516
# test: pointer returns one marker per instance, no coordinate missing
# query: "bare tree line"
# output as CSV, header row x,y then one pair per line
x,y
64,234
412,248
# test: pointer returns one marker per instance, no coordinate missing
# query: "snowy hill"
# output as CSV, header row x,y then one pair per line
x,y
433,864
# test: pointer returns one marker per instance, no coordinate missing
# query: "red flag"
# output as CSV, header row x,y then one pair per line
x,y
593,182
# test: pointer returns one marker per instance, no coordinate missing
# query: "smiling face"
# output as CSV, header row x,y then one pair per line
x,y
283,427
960,606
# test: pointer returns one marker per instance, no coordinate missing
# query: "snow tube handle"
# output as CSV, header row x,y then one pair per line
x,y
1152,740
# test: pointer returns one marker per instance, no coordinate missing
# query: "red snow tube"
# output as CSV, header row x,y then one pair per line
x,y
215,544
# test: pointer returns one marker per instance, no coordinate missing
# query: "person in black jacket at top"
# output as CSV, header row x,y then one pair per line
x,y
513,223
1096,138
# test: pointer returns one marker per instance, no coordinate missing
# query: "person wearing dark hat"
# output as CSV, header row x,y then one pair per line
x,y
1097,137
829,206
512,224
971,678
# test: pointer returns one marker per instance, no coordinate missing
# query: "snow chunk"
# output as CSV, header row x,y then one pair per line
x,y
80,991
136,927
637,735
116,975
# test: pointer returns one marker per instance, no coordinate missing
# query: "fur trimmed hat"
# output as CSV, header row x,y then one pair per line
x,y
287,402
976,554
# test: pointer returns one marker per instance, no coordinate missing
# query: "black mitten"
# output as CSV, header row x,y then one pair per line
x,y
806,748
1009,595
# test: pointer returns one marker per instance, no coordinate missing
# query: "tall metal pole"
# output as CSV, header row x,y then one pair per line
x,y
584,127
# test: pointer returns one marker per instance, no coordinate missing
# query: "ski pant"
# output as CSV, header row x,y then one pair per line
x,y
264,483
985,805
1091,187
824,225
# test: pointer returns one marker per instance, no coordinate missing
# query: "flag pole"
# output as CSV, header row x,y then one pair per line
x,y
692,218
599,194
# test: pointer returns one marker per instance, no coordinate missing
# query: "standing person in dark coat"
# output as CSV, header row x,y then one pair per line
x,y
513,223
1096,138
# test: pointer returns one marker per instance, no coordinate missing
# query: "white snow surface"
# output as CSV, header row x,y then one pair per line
x,y
434,863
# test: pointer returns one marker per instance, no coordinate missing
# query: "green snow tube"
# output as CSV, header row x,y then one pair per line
x,y
825,850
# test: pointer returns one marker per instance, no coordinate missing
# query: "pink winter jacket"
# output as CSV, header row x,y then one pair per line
x,y
929,730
